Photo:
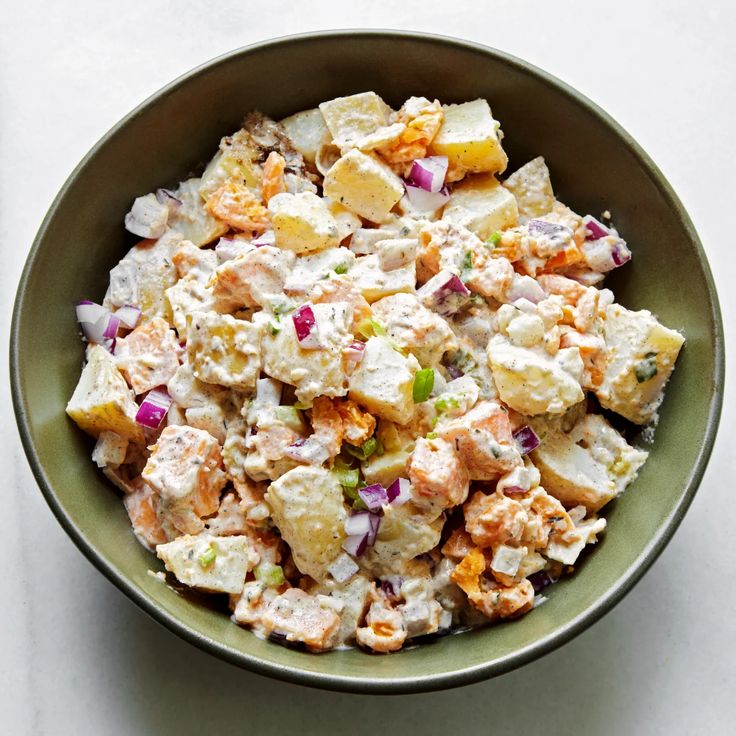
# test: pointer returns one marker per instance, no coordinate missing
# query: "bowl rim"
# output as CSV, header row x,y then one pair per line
x,y
392,685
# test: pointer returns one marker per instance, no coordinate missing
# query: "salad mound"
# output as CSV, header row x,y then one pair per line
x,y
362,384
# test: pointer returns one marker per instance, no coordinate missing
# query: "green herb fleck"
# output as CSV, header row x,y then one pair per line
x,y
341,269
431,435
347,477
647,368
494,240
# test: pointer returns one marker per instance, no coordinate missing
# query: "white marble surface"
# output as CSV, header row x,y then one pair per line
x,y
76,657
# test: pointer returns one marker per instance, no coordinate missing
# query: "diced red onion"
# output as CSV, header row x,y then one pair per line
x,y
267,238
454,372
526,438
514,491
373,496
147,217
305,325
424,201
542,227
429,173
129,316
309,451
399,492
391,585
363,523
594,228
153,408
540,580
620,253
228,248
524,287
355,544
165,196
97,323
444,293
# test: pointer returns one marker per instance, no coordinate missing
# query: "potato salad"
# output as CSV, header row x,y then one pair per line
x,y
362,383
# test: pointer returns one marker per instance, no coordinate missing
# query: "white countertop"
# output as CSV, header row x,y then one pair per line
x,y
77,657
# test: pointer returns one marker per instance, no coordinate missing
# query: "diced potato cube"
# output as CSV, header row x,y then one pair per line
x,y
143,275
355,595
317,372
215,564
566,547
186,296
110,450
532,188
303,222
102,400
353,117
307,131
192,220
148,356
641,358
236,159
482,205
386,468
403,534
307,507
383,381
469,138
531,381
185,469
309,270
224,350
301,617
375,283
364,185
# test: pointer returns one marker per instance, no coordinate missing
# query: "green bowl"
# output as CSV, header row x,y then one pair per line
x,y
595,166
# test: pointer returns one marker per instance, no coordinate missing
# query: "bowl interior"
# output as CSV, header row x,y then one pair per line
x,y
594,166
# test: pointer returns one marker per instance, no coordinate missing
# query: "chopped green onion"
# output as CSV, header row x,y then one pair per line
x,y
275,329
290,417
341,268
423,385
379,446
370,327
365,450
431,435
443,403
208,556
352,493
647,368
495,238
272,575
347,477
468,260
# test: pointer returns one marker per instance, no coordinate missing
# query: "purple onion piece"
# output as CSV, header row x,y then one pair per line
x,y
399,491
542,227
526,439
153,408
595,229
424,201
620,253
540,580
305,325
454,372
355,544
429,173
373,496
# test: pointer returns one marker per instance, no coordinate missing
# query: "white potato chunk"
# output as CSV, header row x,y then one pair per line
x,y
143,275
307,131
383,381
532,187
482,205
207,562
308,270
533,382
110,450
355,596
641,357
571,473
307,507
375,283
364,185
102,400
317,372
303,222
192,220
224,350
403,534
566,547
469,138
351,118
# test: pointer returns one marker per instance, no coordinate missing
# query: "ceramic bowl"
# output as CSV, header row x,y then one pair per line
x,y
595,166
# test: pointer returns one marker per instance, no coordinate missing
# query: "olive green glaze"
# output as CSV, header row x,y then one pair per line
x,y
595,165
